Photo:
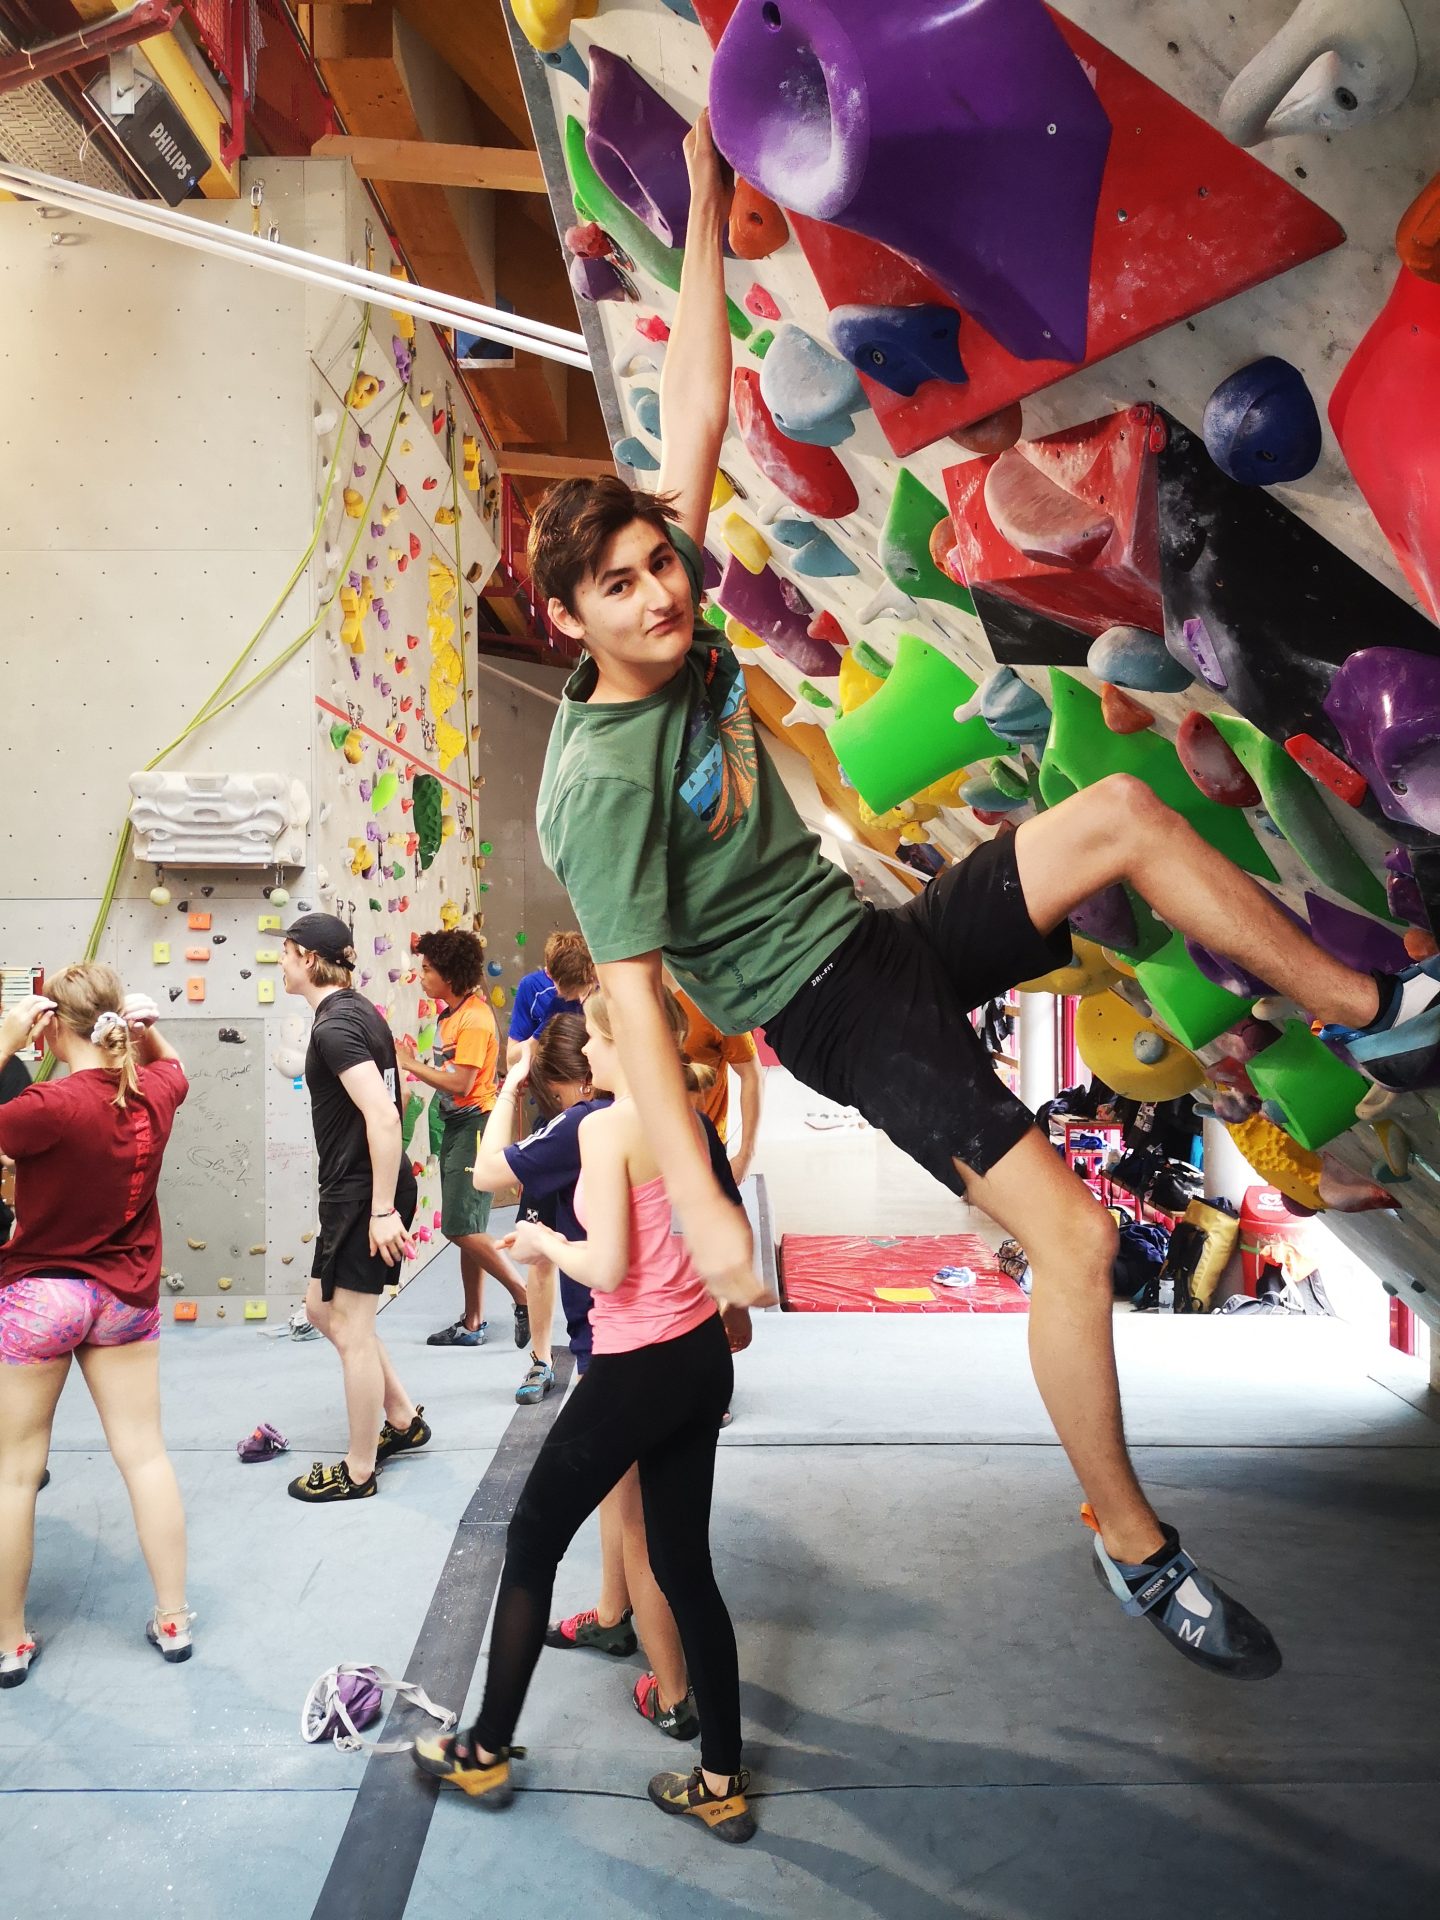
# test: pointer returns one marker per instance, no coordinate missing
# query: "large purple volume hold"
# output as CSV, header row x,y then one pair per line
x,y
635,142
1385,705
778,614
966,138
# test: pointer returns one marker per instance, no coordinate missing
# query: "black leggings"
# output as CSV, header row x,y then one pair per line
x,y
660,1406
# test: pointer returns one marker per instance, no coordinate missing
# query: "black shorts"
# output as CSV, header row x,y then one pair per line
x,y
342,1247
883,1025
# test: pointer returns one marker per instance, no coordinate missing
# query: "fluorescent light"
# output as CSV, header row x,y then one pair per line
x,y
836,826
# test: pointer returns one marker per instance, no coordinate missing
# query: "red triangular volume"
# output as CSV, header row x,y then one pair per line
x,y
1185,220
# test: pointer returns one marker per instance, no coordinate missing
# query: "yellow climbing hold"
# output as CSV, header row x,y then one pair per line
x,y
747,543
363,389
225,1283
722,490
470,462
354,502
546,23
404,322
739,636
1279,1160
857,685
449,915
1106,1030
362,857
354,747
449,742
196,1246
497,996
427,398
445,516
1088,972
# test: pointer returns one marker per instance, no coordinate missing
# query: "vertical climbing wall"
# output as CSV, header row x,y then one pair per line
x,y
1033,364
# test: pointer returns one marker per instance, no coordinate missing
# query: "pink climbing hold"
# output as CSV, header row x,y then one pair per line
x,y
811,477
589,240
1211,763
651,327
759,302
1042,519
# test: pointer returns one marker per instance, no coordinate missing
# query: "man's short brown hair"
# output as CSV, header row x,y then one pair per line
x,y
574,524
568,963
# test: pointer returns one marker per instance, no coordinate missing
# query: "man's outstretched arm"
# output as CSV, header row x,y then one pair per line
x,y
695,384
716,1231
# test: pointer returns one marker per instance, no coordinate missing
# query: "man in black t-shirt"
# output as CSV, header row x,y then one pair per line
x,y
367,1201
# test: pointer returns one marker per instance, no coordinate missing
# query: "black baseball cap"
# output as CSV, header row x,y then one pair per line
x,y
325,934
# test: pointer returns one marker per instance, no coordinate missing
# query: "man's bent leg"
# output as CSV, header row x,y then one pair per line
x,y
1119,829
1070,1239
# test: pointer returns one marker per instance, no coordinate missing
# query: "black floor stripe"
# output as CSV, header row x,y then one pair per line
x,y
379,1852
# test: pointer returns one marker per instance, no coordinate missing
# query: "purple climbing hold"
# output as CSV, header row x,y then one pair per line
x,y
1402,889
1260,425
839,109
1385,705
1354,938
1224,972
634,140
766,604
900,347
710,572
1107,918
592,279
1201,648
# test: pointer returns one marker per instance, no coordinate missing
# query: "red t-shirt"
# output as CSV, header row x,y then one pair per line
x,y
85,1178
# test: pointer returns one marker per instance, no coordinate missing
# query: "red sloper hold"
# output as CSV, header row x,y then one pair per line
x,y
810,477
1109,465
1185,220
826,627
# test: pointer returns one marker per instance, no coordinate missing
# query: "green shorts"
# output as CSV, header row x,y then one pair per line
x,y
462,1209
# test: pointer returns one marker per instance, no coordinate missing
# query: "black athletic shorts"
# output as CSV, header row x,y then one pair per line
x,y
342,1247
883,1025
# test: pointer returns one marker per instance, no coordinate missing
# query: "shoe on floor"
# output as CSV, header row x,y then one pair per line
x,y
536,1384
173,1643
409,1439
727,1815
585,1630
459,1335
522,1327
325,1484
1191,1610
681,1721
16,1662
491,1784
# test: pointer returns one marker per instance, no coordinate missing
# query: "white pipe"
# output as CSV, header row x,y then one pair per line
x,y
531,336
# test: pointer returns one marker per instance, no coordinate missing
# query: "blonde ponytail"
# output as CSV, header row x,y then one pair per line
x,y
90,1003
697,1078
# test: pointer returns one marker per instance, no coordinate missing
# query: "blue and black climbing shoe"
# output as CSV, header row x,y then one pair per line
x,y
1190,1608
1400,1048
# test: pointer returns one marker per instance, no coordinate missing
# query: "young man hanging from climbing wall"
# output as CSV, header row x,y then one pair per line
x,y
677,844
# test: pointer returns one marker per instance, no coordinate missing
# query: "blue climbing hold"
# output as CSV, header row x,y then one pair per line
x,y
900,347
646,402
567,59
814,553
634,454
494,969
683,8
811,395
1133,657
1013,710
1261,426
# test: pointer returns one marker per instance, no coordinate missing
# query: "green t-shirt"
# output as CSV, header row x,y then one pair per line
x,y
668,826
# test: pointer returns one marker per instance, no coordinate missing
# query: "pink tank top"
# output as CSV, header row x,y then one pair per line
x,y
662,1294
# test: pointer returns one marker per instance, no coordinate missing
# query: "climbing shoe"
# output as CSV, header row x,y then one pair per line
x,y
727,1815
522,1327
324,1484
16,1662
459,1335
585,1630
451,1758
1190,1608
395,1440
172,1642
536,1384
681,1721
1400,1048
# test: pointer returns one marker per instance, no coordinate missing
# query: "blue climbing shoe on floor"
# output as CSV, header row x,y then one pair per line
x,y
1191,1610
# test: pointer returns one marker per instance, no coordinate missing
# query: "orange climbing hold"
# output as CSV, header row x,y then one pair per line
x,y
757,226
1122,713
1417,238
996,433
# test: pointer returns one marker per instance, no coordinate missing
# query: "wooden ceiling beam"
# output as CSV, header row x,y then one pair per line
x,y
471,37
435,163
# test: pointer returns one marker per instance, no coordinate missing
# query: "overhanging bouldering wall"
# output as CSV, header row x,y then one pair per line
x,y
1045,460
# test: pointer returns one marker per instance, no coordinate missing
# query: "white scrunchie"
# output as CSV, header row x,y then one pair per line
x,y
103,1025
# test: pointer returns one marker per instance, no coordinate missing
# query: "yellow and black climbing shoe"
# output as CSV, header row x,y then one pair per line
x,y
451,1757
727,1815
409,1439
324,1484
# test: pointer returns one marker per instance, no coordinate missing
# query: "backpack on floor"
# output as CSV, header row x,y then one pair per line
x,y
346,1698
1139,1256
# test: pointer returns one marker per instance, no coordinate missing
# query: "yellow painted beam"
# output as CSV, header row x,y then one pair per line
x,y
173,70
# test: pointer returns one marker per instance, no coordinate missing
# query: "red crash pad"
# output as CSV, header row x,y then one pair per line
x,y
834,1273
1185,220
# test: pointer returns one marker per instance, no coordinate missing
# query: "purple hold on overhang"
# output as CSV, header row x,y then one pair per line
x,y
777,613
1385,705
634,140
967,138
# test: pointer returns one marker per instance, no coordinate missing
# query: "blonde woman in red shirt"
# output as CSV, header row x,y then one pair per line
x,y
81,1276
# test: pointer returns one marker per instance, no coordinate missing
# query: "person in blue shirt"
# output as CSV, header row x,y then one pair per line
x,y
558,986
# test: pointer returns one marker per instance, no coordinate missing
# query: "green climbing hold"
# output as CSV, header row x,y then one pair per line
x,y
520,939
339,733
414,1107
864,655
1082,749
761,343
1194,1009
384,791
429,803
377,906
906,736
425,1038
594,201
397,871
812,693
714,616
1008,780
905,545
1317,1093
486,847
1293,802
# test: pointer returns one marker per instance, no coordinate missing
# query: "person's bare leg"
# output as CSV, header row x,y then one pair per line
x,y
1071,1239
472,1279
124,1383
352,1334
399,1407
542,1285
654,1622
614,1599
483,1250
28,1396
1119,829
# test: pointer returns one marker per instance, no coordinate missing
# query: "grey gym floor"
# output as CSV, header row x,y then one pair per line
x,y
943,1712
